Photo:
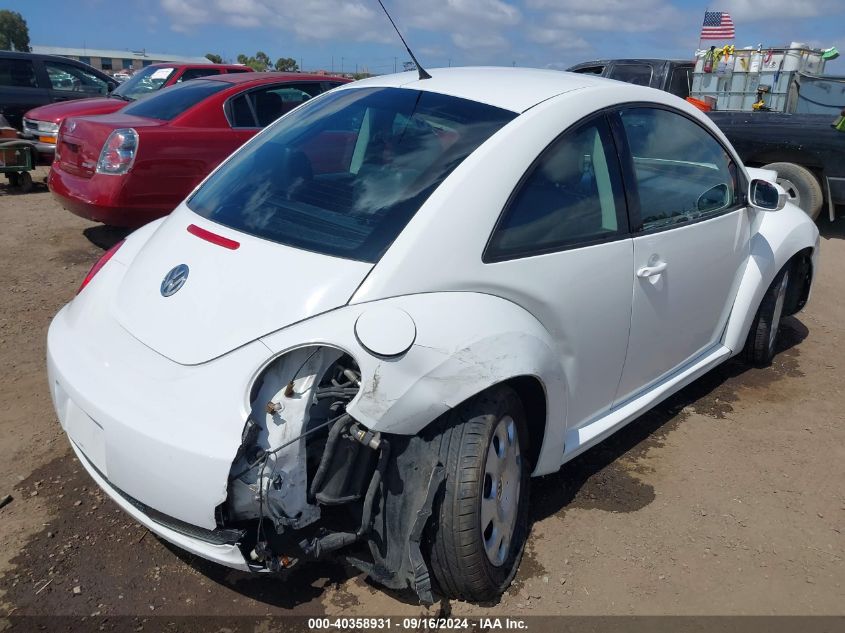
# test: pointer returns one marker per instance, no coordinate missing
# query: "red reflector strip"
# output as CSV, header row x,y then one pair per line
x,y
208,236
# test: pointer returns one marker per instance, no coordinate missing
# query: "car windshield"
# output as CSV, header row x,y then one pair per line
x,y
174,100
144,82
343,174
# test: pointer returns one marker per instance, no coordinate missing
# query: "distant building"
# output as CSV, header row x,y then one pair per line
x,y
112,61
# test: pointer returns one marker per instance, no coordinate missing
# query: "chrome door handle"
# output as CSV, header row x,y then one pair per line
x,y
651,271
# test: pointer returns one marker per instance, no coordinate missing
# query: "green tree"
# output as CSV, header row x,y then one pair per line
x,y
214,58
14,33
259,63
287,64
263,58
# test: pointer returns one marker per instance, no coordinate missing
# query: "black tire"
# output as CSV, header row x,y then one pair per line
x,y
25,181
12,177
762,338
458,556
802,187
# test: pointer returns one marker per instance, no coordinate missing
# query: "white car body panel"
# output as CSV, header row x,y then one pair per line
x,y
681,312
775,238
516,89
154,392
175,424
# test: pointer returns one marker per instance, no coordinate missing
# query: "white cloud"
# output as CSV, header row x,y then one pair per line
x,y
607,15
476,41
756,11
454,14
556,38
313,20
470,23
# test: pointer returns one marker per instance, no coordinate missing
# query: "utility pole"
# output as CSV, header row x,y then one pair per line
x,y
341,65
394,64
301,66
450,62
332,63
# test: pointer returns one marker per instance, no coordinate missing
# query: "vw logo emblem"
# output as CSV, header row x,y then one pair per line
x,y
174,280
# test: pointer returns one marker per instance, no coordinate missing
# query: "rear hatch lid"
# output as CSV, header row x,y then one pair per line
x,y
233,294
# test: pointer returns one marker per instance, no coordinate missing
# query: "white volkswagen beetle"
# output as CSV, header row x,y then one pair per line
x,y
366,330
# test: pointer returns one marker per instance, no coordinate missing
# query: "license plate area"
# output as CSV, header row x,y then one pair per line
x,y
89,436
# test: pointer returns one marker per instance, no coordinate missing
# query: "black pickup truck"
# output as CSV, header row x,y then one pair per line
x,y
805,150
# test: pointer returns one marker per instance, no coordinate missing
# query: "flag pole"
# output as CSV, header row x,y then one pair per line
x,y
699,31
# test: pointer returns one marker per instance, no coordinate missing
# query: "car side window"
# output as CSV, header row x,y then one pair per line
x,y
260,108
639,74
680,82
240,112
571,196
682,172
18,73
194,73
589,70
70,78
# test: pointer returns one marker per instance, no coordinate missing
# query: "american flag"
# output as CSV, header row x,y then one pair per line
x,y
717,26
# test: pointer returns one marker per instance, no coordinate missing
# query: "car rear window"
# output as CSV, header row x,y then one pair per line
x,y
173,101
17,72
344,173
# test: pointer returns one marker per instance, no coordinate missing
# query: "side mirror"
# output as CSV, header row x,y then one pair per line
x,y
766,196
111,86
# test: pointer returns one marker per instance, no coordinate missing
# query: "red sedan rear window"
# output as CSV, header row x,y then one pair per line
x,y
173,101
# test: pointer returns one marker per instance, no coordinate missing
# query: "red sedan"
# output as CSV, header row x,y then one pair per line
x,y
41,124
130,167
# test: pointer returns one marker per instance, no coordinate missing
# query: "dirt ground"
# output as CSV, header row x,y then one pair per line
x,y
727,499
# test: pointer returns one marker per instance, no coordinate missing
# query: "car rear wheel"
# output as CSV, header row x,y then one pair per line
x,y
801,186
481,518
762,338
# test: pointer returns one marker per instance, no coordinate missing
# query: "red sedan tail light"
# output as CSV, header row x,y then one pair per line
x,y
118,153
99,264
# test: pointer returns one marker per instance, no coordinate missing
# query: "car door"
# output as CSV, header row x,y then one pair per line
x,y
72,82
19,89
690,239
562,250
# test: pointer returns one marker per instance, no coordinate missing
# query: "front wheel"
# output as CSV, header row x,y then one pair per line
x,y
481,519
762,338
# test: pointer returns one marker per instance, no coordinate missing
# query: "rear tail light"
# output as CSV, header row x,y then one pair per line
x,y
100,263
119,152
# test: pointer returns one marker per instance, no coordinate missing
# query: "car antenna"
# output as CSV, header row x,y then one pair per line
x,y
423,73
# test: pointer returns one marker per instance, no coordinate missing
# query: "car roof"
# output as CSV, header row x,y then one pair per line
x,y
191,64
515,89
241,78
59,58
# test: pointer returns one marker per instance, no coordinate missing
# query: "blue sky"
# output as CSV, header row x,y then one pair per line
x,y
354,33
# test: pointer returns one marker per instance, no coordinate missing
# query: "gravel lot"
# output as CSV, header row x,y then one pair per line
x,y
728,499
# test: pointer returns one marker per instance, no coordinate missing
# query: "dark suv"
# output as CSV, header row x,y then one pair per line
x,y
671,75
28,80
